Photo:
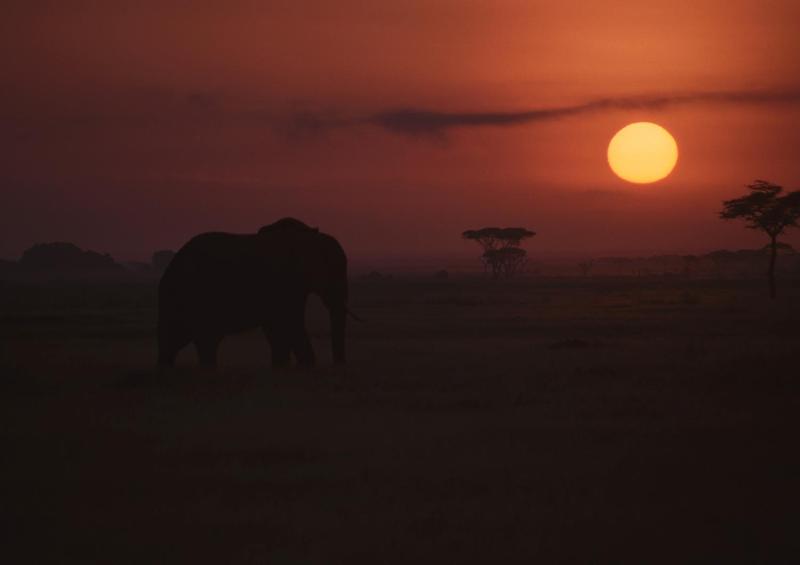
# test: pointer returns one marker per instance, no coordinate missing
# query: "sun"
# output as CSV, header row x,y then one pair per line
x,y
642,153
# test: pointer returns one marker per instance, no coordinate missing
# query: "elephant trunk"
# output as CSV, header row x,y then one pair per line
x,y
338,323
334,293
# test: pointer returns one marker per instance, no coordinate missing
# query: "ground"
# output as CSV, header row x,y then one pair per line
x,y
640,420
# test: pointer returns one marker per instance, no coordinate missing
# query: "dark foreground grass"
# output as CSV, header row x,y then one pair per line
x,y
549,421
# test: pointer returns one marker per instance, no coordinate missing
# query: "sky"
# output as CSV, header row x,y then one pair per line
x,y
130,126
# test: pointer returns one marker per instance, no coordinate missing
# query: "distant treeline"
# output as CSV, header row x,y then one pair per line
x,y
68,261
744,263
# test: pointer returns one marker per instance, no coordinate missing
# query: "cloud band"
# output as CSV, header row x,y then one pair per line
x,y
424,122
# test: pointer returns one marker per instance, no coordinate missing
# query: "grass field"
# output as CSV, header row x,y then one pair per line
x,y
536,421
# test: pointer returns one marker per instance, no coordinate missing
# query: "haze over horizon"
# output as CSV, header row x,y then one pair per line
x,y
131,126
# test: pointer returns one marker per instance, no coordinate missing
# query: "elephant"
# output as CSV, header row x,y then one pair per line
x,y
222,283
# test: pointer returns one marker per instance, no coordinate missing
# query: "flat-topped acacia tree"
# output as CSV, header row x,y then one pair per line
x,y
765,209
501,251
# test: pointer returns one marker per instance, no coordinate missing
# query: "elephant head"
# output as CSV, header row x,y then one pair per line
x,y
321,268
328,279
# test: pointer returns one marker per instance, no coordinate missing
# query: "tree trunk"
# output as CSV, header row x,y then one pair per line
x,y
773,254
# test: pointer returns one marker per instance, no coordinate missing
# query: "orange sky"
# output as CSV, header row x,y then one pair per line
x,y
130,126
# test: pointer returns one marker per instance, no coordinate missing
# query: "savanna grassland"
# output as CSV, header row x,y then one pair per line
x,y
542,420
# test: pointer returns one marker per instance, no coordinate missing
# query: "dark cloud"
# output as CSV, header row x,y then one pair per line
x,y
214,108
424,122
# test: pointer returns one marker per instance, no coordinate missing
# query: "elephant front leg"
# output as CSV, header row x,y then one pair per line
x,y
302,348
298,334
280,348
287,334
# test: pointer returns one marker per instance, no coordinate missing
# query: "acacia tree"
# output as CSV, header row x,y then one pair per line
x,y
501,251
765,209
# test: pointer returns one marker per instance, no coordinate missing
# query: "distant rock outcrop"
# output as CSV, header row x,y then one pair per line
x,y
161,259
7,267
62,258
139,268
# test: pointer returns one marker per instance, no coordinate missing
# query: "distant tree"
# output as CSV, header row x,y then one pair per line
x,y
501,252
585,267
161,259
765,209
506,261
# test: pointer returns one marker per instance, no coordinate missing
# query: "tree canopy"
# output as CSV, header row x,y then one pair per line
x,y
498,238
501,251
764,208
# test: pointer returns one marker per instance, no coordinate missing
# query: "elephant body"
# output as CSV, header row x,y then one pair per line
x,y
222,283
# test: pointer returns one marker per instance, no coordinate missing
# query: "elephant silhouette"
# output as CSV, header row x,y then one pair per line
x,y
221,283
